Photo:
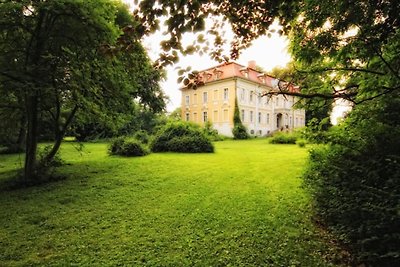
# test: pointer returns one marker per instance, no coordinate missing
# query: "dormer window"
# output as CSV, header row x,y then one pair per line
x,y
207,76
217,73
261,77
245,72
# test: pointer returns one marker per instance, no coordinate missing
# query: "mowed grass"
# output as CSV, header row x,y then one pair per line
x,y
241,206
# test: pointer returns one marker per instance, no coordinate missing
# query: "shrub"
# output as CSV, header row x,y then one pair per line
x,y
301,143
142,136
283,138
127,147
181,137
116,145
211,133
239,131
355,182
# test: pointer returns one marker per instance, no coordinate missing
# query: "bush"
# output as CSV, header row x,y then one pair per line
x,y
127,147
283,138
142,136
211,133
239,131
181,137
301,143
116,145
355,182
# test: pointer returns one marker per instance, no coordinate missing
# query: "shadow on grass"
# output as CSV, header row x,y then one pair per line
x,y
14,180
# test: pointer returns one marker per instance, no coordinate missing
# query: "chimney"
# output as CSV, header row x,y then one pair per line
x,y
252,64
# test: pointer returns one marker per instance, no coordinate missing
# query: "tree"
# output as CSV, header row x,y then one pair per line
x,y
49,69
239,131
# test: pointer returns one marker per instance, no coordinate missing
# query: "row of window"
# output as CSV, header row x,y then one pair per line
x,y
261,118
265,118
205,97
205,117
252,96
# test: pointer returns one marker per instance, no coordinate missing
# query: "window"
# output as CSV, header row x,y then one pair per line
x,y
187,98
195,99
251,96
205,97
259,117
241,94
195,117
205,116
215,94
251,116
242,113
226,94
187,117
215,116
267,118
225,115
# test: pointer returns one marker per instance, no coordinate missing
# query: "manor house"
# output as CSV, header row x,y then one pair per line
x,y
220,86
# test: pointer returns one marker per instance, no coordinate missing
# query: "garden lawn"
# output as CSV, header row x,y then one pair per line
x,y
241,206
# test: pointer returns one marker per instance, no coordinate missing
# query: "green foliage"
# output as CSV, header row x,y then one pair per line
x,y
50,72
125,146
355,181
239,131
142,136
211,133
284,138
301,142
317,130
181,137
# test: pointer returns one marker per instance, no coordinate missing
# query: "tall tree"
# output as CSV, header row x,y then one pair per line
x,y
50,69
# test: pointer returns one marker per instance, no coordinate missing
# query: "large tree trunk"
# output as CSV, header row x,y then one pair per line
x,y
31,138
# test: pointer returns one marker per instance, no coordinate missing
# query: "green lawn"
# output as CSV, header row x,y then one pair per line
x,y
241,206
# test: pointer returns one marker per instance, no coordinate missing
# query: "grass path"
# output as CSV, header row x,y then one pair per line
x,y
241,206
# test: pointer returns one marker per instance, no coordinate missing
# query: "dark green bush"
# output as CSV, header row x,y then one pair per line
x,y
301,142
283,138
239,131
181,137
142,136
116,145
127,147
355,182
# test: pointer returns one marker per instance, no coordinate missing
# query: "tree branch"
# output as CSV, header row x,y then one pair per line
x,y
342,69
